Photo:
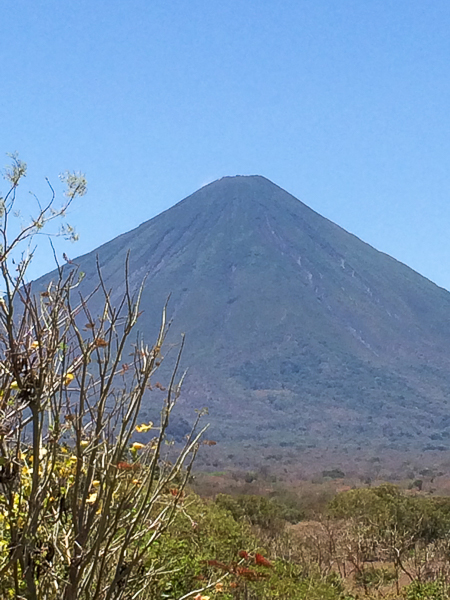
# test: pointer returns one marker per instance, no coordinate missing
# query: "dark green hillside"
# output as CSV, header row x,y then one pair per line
x,y
297,331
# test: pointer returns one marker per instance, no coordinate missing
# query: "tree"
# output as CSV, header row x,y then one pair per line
x,y
81,501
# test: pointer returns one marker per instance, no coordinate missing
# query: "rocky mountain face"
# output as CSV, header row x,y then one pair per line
x,y
298,334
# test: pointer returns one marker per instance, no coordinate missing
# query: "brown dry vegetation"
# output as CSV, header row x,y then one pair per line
x,y
380,542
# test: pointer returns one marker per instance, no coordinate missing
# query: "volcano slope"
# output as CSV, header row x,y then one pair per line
x,y
299,336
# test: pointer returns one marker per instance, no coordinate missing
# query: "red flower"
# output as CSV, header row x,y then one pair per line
x,y
216,563
260,560
124,466
246,573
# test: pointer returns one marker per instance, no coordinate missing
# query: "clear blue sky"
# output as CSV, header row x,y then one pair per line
x,y
344,103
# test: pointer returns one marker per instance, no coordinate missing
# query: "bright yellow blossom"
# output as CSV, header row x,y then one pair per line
x,y
137,446
144,428
68,377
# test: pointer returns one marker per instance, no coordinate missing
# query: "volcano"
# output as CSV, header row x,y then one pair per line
x,y
298,334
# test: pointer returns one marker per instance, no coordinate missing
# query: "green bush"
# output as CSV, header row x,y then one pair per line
x,y
267,513
434,590
386,510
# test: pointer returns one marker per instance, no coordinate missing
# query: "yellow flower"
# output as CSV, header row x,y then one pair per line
x,y
143,428
137,481
84,443
96,483
137,446
34,345
68,377
92,498
14,385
